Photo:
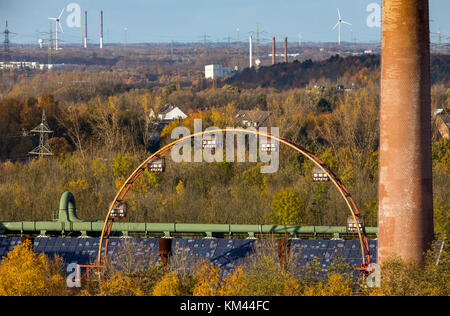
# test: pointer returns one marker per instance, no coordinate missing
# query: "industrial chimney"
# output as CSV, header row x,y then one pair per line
x,y
405,178
285,50
250,52
101,29
273,50
85,29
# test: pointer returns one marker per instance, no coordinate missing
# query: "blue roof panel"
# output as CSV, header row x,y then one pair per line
x,y
227,252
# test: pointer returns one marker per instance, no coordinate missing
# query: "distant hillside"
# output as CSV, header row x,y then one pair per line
x,y
297,75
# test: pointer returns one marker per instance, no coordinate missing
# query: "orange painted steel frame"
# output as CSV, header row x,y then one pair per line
x,y
365,251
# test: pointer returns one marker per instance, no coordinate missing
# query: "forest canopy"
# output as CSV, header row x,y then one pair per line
x,y
102,129
354,69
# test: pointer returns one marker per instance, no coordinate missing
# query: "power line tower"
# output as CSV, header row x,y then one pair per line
x,y
228,41
6,43
43,130
257,40
353,38
205,39
256,34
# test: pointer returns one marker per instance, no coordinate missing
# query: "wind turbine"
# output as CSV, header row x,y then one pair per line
x,y
339,22
57,23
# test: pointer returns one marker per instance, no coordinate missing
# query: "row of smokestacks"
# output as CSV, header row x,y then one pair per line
x,y
85,29
274,51
285,56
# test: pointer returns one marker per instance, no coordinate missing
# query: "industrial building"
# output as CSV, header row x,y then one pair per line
x,y
24,65
217,71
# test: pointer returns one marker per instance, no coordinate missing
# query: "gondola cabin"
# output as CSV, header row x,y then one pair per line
x,y
269,146
157,165
319,175
209,141
351,225
119,210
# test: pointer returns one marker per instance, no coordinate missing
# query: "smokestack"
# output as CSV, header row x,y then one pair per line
x,y
251,52
101,29
273,50
85,29
405,217
285,50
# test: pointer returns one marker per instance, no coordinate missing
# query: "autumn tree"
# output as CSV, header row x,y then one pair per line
x,y
335,285
288,208
25,273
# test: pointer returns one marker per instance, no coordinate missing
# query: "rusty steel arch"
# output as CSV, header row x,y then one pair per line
x,y
365,251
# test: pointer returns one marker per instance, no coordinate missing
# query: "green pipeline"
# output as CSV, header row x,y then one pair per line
x,y
68,224
92,228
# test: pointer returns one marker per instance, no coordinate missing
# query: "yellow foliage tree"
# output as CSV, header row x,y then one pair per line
x,y
336,285
78,185
233,284
119,285
170,285
288,208
208,279
291,287
400,278
25,273
224,117
167,130
180,188
122,165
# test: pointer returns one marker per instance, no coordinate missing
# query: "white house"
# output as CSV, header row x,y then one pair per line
x,y
254,118
171,113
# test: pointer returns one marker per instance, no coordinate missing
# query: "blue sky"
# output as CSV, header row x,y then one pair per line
x,y
188,20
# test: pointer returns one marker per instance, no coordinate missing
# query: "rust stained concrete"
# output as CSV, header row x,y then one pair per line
x,y
405,182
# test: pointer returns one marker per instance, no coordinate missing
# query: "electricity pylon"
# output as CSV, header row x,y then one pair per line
x,y
43,130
